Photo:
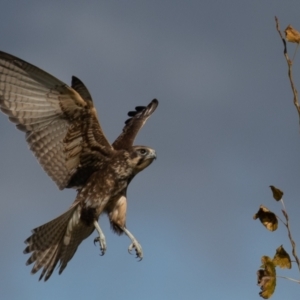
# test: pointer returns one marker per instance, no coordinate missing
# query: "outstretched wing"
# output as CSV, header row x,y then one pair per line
x,y
60,122
134,124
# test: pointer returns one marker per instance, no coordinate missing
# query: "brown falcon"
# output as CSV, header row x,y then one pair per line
x,y
63,131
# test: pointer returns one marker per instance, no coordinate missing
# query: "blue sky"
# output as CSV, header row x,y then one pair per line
x,y
224,131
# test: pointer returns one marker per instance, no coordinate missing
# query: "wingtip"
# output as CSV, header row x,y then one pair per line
x,y
152,105
74,80
154,101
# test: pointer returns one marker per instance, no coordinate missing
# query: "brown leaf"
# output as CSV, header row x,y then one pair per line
x,y
277,193
282,258
266,277
267,218
292,35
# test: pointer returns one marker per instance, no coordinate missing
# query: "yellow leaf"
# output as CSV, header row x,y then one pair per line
x,y
277,193
282,258
267,218
266,277
292,35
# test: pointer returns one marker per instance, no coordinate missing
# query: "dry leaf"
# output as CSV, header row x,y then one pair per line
x,y
266,277
267,218
277,193
292,35
282,258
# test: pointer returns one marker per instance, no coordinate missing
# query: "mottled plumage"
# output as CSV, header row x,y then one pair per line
x,y
63,131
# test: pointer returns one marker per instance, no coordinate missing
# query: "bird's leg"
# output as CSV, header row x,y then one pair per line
x,y
134,245
100,238
117,218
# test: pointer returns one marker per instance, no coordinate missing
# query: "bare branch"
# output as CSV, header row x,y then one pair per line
x,y
287,225
289,278
280,220
290,73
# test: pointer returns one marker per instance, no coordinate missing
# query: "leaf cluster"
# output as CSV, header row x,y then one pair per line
x,y
266,275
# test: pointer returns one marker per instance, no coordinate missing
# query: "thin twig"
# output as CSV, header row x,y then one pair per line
x,y
294,252
280,220
289,278
290,73
295,52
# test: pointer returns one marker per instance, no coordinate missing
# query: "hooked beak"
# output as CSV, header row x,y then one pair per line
x,y
152,154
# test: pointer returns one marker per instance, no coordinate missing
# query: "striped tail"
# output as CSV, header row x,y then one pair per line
x,y
56,241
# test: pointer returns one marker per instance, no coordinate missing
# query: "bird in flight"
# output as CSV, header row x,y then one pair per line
x,y
63,131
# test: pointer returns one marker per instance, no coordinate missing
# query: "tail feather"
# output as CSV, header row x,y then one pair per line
x,y
49,267
44,236
43,260
56,241
79,234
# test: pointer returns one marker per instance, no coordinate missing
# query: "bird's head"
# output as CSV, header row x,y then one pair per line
x,y
141,157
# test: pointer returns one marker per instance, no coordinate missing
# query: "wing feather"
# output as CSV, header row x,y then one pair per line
x,y
60,122
81,89
134,124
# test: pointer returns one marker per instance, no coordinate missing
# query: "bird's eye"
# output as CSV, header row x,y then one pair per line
x,y
143,151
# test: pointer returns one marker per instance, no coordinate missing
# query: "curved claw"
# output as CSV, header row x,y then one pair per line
x,y
138,250
102,244
96,239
